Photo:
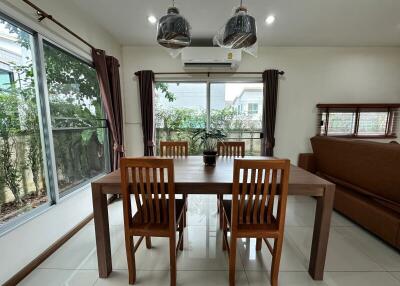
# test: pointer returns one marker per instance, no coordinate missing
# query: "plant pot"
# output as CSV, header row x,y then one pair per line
x,y
210,158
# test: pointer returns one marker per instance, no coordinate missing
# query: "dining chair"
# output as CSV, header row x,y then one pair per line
x,y
250,213
174,148
149,182
228,149
231,148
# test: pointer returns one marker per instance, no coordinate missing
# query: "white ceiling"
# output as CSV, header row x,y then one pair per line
x,y
298,22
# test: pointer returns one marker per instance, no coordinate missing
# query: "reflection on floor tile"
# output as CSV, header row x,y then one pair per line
x,y
343,251
80,251
360,278
292,258
355,257
396,275
42,277
258,278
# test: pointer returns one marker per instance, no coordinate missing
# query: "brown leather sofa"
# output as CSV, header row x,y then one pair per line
x,y
367,178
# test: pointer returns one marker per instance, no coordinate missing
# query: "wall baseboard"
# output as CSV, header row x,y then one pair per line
x,y
25,271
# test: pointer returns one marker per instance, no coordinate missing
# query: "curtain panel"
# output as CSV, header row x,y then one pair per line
x,y
146,94
270,80
107,68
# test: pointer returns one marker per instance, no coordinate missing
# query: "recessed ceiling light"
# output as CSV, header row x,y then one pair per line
x,y
270,19
152,19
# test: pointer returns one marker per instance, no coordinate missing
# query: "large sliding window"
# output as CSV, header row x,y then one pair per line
x,y
235,108
77,118
53,135
180,110
22,180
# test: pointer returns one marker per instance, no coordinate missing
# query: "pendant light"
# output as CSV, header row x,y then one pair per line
x,y
240,30
173,30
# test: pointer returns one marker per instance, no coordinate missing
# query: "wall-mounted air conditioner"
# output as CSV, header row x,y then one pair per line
x,y
210,58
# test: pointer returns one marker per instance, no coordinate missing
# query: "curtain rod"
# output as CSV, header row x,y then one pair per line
x,y
208,73
43,15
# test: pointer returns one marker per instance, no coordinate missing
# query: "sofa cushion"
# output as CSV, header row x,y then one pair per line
x,y
371,166
370,215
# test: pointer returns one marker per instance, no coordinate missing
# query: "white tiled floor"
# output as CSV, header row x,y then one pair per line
x,y
354,256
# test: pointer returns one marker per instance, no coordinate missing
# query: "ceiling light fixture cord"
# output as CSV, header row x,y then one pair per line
x,y
173,3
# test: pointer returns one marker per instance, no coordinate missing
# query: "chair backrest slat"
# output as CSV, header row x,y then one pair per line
x,y
253,202
249,210
143,196
145,179
258,193
174,148
231,149
243,194
270,205
163,196
265,194
156,196
149,195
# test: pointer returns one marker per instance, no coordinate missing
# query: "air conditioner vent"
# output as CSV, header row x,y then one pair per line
x,y
210,58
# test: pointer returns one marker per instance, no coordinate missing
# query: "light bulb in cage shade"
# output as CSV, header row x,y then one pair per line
x,y
152,19
240,30
173,30
270,20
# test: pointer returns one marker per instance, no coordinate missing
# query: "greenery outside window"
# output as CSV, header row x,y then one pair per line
x,y
77,118
22,180
53,135
182,108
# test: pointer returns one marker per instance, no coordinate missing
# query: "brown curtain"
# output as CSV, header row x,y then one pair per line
x,y
146,94
107,68
270,80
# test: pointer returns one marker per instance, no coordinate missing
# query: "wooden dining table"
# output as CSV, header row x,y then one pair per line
x,y
193,177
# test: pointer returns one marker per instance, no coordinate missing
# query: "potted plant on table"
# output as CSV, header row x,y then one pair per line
x,y
209,140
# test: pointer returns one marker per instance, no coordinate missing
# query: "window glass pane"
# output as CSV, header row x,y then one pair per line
x,y
372,123
341,123
77,118
22,181
180,110
236,108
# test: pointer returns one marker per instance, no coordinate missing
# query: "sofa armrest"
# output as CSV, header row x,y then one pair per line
x,y
307,162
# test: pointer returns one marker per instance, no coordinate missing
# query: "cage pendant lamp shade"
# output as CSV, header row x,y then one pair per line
x,y
173,30
240,30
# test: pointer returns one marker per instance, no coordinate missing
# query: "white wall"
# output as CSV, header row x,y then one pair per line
x,y
312,75
21,245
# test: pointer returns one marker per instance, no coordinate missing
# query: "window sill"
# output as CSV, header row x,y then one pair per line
x,y
363,136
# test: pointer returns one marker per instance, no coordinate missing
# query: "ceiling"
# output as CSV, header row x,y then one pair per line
x,y
298,22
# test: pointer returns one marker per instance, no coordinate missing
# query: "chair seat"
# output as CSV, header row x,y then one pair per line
x,y
271,227
159,229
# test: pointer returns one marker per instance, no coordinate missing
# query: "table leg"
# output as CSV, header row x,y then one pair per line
x,y
100,213
320,238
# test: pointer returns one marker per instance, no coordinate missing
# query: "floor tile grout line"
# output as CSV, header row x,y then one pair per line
x,y
371,257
